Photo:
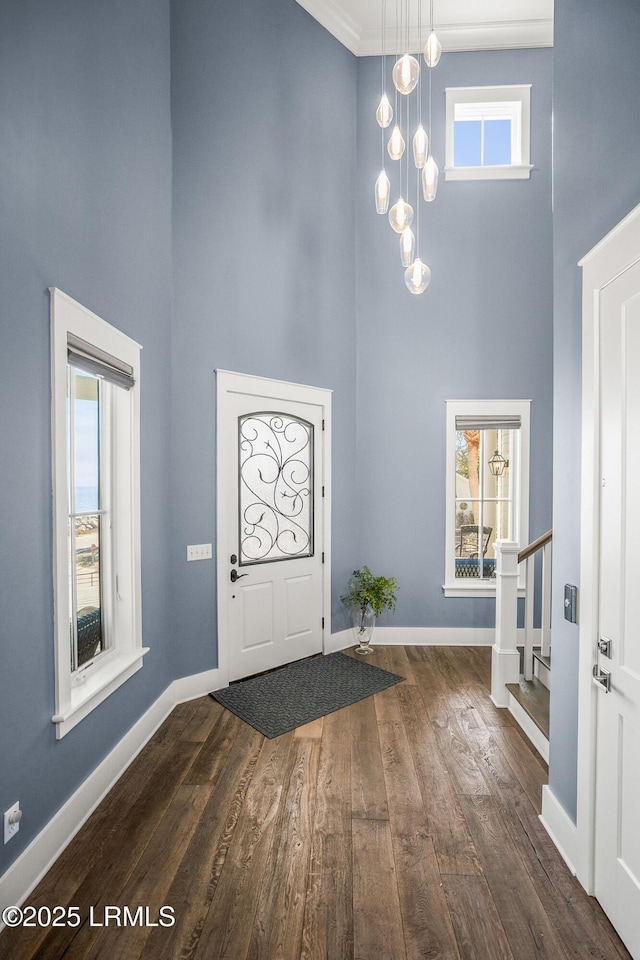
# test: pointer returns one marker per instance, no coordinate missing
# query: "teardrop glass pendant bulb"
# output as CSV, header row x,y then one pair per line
x,y
406,71
395,146
432,50
420,147
384,113
382,190
417,276
401,215
407,246
430,179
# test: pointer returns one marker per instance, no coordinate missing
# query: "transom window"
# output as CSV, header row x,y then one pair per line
x,y
487,132
487,489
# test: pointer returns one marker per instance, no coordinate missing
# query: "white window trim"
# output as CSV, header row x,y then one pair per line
x,y
111,669
516,94
453,587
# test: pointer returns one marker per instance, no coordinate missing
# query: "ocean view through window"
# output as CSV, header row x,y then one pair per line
x,y
96,497
86,607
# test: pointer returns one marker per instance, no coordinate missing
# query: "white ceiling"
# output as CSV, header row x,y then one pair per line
x,y
460,24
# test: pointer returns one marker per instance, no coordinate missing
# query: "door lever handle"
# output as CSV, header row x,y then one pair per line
x,y
237,576
602,678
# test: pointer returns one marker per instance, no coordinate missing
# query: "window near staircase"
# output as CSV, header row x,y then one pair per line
x,y
487,489
488,133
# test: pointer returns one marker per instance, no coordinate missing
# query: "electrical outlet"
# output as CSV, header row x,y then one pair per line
x,y
12,818
199,551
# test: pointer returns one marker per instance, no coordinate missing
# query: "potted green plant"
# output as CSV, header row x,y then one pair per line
x,y
368,596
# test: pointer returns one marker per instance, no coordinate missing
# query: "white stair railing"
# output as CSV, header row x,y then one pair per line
x,y
505,659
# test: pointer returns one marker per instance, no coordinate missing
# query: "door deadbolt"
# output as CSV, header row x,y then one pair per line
x,y
233,559
604,647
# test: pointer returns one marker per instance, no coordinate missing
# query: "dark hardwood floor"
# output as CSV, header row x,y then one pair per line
x,y
403,827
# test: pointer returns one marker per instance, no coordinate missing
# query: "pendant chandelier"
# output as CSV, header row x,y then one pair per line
x,y
417,170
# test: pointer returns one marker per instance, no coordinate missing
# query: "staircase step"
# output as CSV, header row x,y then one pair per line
x,y
542,669
537,655
533,697
542,665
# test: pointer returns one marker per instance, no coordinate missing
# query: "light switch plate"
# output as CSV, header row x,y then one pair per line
x,y
10,829
199,551
570,603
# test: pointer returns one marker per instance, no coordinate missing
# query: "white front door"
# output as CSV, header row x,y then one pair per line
x,y
272,521
617,826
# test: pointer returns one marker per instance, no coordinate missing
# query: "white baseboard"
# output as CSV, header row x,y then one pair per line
x,y
526,724
338,641
560,828
419,637
197,685
434,636
26,872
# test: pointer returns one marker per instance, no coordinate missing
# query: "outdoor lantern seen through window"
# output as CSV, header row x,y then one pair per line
x,y
497,464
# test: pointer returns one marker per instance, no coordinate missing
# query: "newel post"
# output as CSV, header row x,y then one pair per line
x,y
505,659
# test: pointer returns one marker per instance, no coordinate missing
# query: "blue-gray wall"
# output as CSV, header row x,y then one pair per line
x,y
85,204
596,183
482,329
264,158
111,111
86,189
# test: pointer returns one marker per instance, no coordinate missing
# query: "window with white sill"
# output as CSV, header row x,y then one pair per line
x,y
487,489
488,133
96,508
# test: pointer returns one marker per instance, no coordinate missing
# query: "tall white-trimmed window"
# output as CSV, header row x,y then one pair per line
x,y
488,133
487,493
96,508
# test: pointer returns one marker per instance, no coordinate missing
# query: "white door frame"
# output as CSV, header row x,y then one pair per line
x,y
611,257
228,382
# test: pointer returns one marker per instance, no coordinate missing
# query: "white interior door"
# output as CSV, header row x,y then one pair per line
x,y
272,514
617,812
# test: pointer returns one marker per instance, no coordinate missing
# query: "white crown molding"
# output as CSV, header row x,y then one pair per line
x,y
503,35
465,37
337,21
366,41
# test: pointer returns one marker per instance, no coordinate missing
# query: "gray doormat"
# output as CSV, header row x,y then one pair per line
x,y
277,702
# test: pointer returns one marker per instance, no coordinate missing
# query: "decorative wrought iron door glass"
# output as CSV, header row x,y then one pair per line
x,y
275,487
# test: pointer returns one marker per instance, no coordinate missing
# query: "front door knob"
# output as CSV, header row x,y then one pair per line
x,y
236,576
